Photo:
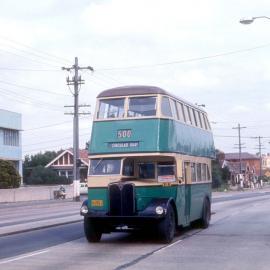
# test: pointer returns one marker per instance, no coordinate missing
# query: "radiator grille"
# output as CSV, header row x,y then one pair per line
x,y
122,199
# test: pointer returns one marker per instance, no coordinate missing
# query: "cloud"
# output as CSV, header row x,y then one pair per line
x,y
171,18
196,78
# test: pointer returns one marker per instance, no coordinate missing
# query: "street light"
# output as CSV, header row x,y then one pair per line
x,y
251,19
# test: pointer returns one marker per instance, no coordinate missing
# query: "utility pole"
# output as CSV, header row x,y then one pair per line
x,y
75,82
239,146
260,147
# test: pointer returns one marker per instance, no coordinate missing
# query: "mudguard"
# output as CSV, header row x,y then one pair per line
x,y
85,202
150,210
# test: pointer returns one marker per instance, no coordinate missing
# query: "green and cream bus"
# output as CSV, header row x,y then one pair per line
x,y
150,163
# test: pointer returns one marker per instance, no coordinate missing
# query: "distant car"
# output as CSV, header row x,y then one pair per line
x,y
83,188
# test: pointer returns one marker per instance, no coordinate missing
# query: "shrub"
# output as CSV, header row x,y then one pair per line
x,y
45,176
9,177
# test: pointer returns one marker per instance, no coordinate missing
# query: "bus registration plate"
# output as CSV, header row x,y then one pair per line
x,y
97,203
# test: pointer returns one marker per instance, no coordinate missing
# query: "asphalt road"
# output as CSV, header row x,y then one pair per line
x,y
238,238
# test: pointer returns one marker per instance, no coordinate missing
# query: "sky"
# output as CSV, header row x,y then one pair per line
x,y
196,50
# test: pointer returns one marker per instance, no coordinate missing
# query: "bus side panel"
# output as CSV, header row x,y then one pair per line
x,y
198,193
181,204
143,136
144,195
98,199
182,138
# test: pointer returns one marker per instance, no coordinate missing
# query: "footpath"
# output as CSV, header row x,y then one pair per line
x,y
19,217
35,215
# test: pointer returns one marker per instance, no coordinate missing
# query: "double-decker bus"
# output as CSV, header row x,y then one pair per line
x,y
150,163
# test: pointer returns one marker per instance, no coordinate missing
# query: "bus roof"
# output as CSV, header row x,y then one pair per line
x,y
140,90
132,90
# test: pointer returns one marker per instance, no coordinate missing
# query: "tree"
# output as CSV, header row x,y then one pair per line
x,y
40,159
216,174
34,170
9,177
219,175
40,176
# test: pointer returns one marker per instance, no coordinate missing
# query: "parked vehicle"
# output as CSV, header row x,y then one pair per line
x,y
83,188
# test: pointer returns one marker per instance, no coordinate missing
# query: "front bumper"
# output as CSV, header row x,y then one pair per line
x,y
139,220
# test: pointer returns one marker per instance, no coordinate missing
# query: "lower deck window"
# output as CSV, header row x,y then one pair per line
x,y
147,170
166,172
128,167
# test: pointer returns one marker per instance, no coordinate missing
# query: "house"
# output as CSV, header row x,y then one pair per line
x,y
10,138
63,164
250,167
266,161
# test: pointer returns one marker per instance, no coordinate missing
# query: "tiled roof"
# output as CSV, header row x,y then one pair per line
x,y
244,155
82,153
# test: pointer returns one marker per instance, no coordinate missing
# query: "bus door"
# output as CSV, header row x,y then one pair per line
x,y
187,181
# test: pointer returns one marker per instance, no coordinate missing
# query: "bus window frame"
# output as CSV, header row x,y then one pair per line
x,y
122,168
200,119
139,117
109,118
105,175
180,109
169,103
173,104
96,119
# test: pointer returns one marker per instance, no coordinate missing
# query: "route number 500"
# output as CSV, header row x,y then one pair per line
x,y
124,133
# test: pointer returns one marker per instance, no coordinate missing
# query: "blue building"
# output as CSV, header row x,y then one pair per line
x,y
10,138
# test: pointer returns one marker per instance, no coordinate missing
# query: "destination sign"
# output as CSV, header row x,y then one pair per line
x,y
123,144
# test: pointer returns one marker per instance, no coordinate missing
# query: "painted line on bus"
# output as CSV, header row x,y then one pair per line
x,y
28,255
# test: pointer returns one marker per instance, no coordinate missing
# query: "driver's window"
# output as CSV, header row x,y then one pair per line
x,y
147,170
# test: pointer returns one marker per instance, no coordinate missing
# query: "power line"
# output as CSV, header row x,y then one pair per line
x,y
260,147
30,70
239,146
32,88
55,140
37,102
186,60
75,82
47,126
63,60
29,59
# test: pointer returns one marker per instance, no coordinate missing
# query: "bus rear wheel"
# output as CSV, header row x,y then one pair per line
x,y
166,228
206,214
92,230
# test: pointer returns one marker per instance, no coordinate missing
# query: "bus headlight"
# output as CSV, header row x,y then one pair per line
x,y
84,209
159,210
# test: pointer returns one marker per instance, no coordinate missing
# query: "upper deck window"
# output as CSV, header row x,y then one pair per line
x,y
111,108
142,106
165,107
174,109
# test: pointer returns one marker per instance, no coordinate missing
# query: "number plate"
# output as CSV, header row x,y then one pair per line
x,y
97,203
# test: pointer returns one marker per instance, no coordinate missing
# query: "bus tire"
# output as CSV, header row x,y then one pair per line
x,y
91,230
206,214
166,227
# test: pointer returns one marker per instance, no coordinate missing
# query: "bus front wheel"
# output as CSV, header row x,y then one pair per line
x,y
166,227
206,214
91,230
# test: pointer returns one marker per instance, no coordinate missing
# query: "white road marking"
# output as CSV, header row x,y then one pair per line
x,y
168,246
23,256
